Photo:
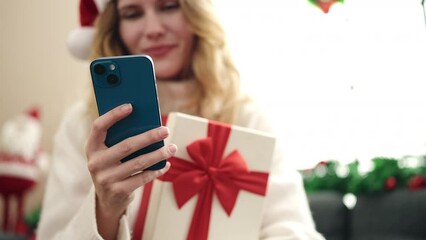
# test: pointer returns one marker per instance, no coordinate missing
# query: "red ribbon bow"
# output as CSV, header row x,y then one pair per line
x,y
211,174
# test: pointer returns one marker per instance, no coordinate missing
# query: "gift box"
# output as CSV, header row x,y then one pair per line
x,y
216,186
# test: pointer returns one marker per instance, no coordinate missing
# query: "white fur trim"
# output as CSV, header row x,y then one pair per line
x,y
101,4
80,41
20,170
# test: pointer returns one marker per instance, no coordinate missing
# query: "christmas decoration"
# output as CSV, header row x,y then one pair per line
x,y
385,174
324,5
21,162
79,40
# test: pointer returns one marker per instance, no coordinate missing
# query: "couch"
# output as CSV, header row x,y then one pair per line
x,y
395,215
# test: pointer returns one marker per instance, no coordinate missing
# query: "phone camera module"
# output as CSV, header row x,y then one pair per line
x,y
112,79
99,69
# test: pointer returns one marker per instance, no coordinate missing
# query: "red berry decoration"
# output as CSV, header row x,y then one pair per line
x,y
390,183
417,182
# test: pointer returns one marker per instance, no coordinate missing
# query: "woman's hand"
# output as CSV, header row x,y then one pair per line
x,y
115,182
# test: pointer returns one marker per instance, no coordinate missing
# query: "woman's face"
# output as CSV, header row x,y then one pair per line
x,y
157,28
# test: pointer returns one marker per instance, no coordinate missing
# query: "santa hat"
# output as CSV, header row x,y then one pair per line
x,y
80,40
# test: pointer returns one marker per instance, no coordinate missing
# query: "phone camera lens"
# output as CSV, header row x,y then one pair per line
x,y
99,69
112,79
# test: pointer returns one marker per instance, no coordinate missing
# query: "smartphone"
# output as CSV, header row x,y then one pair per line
x,y
128,79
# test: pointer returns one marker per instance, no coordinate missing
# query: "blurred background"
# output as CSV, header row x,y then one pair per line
x,y
344,85
36,70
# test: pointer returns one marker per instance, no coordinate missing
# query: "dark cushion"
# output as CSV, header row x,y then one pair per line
x,y
11,236
399,214
331,216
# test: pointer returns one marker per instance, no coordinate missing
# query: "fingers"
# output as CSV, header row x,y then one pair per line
x,y
132,144
132,183
116,196
115,181
100,126
142,162
112,156
119,191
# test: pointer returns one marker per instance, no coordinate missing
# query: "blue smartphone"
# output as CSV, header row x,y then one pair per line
x,y
128,79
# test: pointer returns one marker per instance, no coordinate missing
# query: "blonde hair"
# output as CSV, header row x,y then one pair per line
x,y
217,96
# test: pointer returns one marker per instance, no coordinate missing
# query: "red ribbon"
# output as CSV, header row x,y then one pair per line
x,y
139,225
210,173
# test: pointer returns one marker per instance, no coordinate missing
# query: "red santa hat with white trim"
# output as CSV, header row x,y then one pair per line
x,y
80,40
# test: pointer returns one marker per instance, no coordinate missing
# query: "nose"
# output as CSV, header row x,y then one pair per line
x,y
154,27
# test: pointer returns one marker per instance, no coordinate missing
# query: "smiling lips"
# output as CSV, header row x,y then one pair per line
x,y
159,51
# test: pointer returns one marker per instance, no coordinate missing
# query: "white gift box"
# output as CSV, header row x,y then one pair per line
x,y
165,220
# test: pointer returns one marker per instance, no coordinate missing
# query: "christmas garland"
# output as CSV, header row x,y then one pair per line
x,y
384,174
324,5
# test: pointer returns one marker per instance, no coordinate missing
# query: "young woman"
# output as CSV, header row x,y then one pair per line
x,y
90,194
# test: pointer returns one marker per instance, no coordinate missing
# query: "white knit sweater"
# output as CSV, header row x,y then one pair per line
x,y
68,210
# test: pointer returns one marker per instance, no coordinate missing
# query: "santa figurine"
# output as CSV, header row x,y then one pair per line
x,y
21,161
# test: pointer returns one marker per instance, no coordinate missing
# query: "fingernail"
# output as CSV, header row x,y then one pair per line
x,y
163,131
172,148
126,107
164,169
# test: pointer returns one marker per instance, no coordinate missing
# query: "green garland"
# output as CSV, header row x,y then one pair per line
x,y
386,174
